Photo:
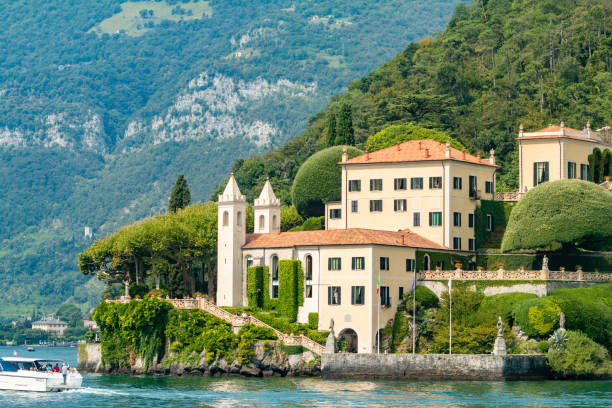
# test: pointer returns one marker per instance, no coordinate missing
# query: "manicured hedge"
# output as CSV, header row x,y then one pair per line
x,y
561,213
257,288
319,180
395,134
313,321
290,288
448,259
590,262
426,297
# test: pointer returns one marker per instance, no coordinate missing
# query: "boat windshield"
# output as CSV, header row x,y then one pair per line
x,y
6,366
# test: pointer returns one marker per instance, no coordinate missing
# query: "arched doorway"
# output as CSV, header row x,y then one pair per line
x,y
348,341
426,263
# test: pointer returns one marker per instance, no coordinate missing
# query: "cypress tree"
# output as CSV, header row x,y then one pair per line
x,y
345,134
330,124
180,197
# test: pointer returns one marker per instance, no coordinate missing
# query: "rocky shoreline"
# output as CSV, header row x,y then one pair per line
x,y
268,360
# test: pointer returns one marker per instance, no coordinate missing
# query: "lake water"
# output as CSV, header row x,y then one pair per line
x,y
157,392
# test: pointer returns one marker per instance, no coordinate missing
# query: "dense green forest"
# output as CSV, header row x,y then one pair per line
x,y
105,102
498,64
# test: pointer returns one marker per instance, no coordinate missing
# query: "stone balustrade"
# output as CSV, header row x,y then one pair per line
x,y
508,196
518,274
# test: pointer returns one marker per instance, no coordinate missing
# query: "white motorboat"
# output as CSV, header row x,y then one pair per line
x,y
37,374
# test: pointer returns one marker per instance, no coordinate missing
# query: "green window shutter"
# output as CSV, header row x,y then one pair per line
x,y
535,174
329,295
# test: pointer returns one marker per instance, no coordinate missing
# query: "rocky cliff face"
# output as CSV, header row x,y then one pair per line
x,y
268,360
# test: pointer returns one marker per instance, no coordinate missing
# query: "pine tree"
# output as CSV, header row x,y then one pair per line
x,y
345,134
180,197
330,124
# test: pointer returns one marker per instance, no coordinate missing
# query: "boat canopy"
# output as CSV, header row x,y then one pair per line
x,y
6,366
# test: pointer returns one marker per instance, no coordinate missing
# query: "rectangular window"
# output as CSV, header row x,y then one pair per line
x,y
384,263
354,206
540,173
410,264
584,171
375,184
457,219
457,183
399,205
401,293
489,222
471,220
334,264
375,205
308,292
416,183
471,244
416,219
473,187
354,185
489,187
335,213
571,170
457,243
385,298
435,182
333,295
358,263
399,184
357,295
274,291
435,219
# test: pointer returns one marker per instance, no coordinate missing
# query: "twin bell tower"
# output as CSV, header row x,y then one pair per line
x,y
231,236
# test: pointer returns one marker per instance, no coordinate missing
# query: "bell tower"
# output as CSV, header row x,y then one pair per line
x,y
231,236
267,211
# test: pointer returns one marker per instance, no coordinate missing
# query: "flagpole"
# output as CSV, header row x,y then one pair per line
x,y
450,318
378,317
413,309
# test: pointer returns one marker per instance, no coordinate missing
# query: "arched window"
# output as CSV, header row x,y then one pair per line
x,y
426,263
274,271
308,270
239,220
274,225
262,222
225,218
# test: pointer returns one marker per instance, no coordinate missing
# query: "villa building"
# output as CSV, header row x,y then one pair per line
x,y
404,208
50,324
558,152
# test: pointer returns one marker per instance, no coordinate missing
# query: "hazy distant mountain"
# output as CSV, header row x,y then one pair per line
x,y
103,103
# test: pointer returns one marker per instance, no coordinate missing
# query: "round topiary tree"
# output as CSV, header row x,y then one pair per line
x,y
318,180
394,134
563,213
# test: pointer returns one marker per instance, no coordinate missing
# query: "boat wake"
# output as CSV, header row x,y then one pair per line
x,y
94,391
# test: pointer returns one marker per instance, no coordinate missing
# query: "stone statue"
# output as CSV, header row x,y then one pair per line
x,y
562,321
331,345
499,349
500,327
331,325
545,263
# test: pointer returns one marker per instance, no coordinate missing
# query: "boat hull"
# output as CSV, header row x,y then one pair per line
x,y
39,382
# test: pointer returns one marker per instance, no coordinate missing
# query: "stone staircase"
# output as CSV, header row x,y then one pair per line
x,y
239,321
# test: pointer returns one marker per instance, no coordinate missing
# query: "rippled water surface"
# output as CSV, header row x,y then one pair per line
x,y
153,392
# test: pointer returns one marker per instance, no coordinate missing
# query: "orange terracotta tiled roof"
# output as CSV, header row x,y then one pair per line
x,y
557,129
351,236
417,150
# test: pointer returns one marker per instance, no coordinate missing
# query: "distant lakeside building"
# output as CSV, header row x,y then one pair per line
x,y
50,324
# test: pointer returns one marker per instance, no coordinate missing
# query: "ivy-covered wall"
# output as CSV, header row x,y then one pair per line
x,y
533,261
290,288
257,286
500,211
447,259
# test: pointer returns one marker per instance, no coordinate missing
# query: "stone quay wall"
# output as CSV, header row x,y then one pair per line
x,y
435,366
89,357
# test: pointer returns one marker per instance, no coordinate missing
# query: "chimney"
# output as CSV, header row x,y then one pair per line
x,y
367,155
478,156
278,231
426,153
403,239
463,154
398,146
448,150
562,127
344,155
492,156
521,130
419,145
588,129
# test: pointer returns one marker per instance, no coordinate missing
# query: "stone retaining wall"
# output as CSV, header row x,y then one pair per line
x,y
89,357
435,366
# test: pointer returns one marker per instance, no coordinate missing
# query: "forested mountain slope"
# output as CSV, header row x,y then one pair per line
x,y
498,64
103,103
